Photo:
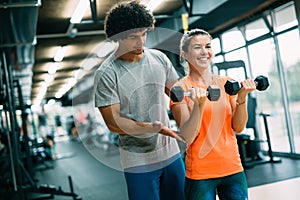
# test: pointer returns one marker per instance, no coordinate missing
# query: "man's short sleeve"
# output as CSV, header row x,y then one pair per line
x,y
171,74
105,87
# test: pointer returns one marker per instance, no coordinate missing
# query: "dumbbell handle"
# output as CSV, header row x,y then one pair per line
x,y
255,82
188,93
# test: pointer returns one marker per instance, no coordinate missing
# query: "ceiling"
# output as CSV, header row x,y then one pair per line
x,y
54,29
38,28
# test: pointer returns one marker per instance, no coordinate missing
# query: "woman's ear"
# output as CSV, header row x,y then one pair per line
x,y
183,56
182,60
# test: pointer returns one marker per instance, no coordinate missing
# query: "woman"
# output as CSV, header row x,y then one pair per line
x,y
213,165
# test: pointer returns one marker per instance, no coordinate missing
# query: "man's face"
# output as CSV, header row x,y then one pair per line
x,y
134,42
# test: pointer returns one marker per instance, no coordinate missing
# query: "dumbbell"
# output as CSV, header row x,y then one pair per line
x,y
232,86
213,93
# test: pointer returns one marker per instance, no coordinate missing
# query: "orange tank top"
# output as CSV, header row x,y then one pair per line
x,y
214,152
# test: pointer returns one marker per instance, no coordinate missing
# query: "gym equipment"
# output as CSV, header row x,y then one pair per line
x,y
232,86
270,151
177,93
52,190
17,181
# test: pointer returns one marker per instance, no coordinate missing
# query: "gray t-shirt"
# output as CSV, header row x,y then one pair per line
x,y
139,89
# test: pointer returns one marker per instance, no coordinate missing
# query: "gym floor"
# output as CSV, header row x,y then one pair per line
x,y
93,180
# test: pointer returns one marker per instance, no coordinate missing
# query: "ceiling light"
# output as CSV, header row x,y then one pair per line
x,y
62,91
79,11
72,81
153,4
41,94
90,63
52,68
80,74
105,48
65,88
28,102
60,54
51,102
49,78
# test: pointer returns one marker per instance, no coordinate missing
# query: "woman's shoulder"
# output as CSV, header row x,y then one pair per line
x,y
222,78
184,83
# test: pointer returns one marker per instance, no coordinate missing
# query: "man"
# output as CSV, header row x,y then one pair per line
x,y
130,88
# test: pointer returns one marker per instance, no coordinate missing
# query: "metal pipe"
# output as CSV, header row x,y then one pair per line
x,y
11,126
59,35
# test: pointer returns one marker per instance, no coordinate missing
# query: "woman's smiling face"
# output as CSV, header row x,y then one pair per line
x,y
199,53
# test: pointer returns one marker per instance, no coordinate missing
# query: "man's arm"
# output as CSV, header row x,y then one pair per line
x,y
118,124
169,86
122,125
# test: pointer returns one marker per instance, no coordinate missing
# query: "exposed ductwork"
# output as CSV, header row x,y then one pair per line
x,y
18,21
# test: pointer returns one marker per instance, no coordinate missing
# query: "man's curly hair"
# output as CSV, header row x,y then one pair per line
x,y
127,17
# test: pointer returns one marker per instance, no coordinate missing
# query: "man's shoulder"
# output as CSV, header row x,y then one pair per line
x,y
153,51
156,54
106,64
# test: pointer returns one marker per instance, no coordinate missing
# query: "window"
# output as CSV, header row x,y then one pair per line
x,y
218,59
237,73
263,62
289,46
232,40
262,57
256,29
285,18
282,67
215,44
